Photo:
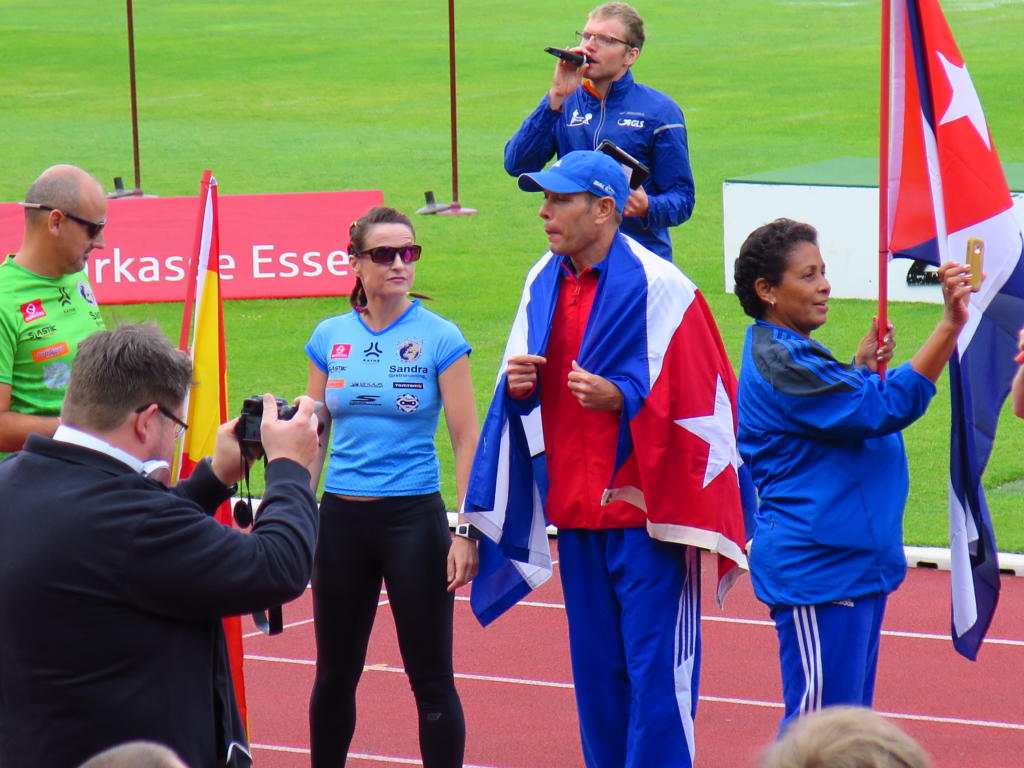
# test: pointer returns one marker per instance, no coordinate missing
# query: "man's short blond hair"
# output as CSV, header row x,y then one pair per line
x,y
136,754
844,737
630,19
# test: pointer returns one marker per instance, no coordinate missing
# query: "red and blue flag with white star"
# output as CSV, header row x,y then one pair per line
x,y
945,185
652,334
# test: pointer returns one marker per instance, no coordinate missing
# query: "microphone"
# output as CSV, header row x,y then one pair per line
x,y
576,59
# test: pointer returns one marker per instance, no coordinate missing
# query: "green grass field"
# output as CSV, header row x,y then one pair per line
x,y
321,95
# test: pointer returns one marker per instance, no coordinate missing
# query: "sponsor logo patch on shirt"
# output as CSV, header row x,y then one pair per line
x,y
41,332
408,370
577,119
32,310
339,351
407,403
56,375
410,350
335,383
85,291
54,350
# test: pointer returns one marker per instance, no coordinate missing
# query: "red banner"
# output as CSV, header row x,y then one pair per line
x,y
272,246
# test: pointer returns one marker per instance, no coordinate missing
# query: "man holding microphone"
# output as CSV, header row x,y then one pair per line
x,y
600,100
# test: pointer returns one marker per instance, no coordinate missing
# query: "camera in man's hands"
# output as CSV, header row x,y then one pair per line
x,y
248,427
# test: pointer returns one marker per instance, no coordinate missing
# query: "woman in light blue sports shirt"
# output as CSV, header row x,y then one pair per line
x,y
384,371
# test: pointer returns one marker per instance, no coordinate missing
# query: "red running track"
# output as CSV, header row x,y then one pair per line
x,y
516,686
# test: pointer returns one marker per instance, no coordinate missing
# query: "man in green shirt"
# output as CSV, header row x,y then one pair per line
x,y
46,303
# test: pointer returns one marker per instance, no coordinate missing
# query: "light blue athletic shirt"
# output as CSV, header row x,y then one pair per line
x,y
384,398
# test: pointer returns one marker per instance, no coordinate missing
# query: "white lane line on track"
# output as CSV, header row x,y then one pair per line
x,y
744,702
894,715
923,636
401,670
257,633
279,748
954,721
283,660
359,756
301,622
527,603
715,699
723,619
885,632
769,623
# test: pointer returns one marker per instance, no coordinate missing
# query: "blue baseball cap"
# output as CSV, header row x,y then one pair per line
x,y
581,171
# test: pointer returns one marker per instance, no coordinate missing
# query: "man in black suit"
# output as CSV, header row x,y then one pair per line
x,y
112,586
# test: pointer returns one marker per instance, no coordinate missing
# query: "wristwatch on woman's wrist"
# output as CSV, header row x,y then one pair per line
x,y
467,531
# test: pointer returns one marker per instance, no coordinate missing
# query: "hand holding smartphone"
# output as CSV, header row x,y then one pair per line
x,y
638,171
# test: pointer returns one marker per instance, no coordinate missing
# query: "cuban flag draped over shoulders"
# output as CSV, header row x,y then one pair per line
x,y
652,334
945,185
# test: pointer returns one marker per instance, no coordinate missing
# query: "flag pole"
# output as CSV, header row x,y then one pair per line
x,y
454,105
135,112
188,308
206,403
455,208
883,180
193,266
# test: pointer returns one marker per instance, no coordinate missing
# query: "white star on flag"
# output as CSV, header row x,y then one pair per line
x,y
717,431
964,102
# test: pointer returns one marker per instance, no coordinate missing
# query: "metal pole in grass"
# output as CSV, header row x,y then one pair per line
x,y
119,190
455,208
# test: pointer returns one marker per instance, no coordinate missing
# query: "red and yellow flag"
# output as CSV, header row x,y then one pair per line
x,y
207,402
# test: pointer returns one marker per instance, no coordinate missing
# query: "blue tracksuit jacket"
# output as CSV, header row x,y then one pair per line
x,y
823,444
640,120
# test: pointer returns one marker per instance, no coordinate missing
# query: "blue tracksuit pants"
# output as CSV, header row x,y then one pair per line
x,y
633,606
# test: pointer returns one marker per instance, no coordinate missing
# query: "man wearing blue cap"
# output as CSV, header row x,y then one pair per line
x,y
613,370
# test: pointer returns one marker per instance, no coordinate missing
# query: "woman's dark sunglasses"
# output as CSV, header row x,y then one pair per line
x,y
385,254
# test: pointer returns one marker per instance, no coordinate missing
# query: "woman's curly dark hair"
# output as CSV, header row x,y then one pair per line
x,y
765,254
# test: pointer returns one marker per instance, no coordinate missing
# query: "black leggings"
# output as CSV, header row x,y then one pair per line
x,y
403,541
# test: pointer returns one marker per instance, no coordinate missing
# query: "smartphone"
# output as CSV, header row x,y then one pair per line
x,y
638,171
975,260
576,59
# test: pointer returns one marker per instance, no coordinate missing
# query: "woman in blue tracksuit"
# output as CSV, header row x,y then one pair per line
x,y
822,439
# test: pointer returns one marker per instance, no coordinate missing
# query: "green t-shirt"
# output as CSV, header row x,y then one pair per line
x,y
42,319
